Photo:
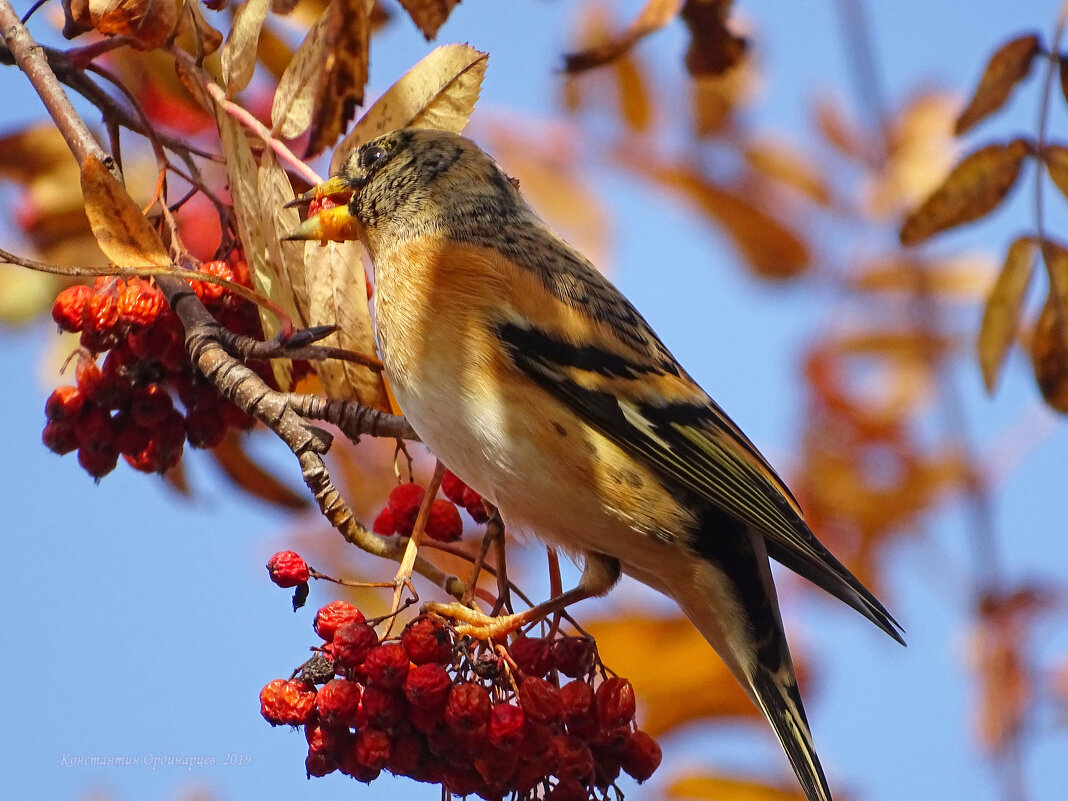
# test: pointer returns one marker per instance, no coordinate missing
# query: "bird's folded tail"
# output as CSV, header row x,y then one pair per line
x,y
731,600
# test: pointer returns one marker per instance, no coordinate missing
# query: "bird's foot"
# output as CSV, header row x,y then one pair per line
x,y
470,622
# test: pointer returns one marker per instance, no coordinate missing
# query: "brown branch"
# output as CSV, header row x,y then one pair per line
x,y
232,378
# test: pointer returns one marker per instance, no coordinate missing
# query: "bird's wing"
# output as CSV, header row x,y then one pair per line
x,y
642,400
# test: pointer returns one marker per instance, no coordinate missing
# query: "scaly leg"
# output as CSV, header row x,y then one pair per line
x,y
599,574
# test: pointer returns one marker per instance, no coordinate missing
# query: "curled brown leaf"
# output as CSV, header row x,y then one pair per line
x,y
654,16
429,15
713,49
1049,342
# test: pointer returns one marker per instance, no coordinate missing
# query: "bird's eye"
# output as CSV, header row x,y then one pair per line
x,y
369,155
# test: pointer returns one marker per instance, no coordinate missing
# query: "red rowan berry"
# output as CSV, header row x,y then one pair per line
x,y
384,523
333,615
208,292
100,319
506,726
204,428
98,461
532,655
641,755
427,686
289,702
372,747
426,639
443,523
468,709
569,790
573,656
60,437
406,749
387,665
130,438
139,302
94,426
404,501
150,404
383,707
541,701
453,488
474,506
352,642
338,701
287,569
69,306
615,702
574,760
89,378
319,765
330,740
461,779
580,712
64,403
427,720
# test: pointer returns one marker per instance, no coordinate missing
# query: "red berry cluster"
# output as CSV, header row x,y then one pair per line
x,y
443,522
125,406
479,721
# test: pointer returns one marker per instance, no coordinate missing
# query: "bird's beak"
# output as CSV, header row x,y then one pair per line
x,y
333,221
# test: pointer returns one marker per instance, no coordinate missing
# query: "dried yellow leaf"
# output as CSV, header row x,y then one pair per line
x,y
730,788
121,230
1006,68
344,76
782,163
294,99
439,92
148,23
974,188
1001,315
239,53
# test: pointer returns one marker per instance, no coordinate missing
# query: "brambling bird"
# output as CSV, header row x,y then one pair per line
x,y
539,384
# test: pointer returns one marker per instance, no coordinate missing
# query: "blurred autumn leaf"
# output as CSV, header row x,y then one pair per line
x,y
1006,68
683,683
1001,315
730,788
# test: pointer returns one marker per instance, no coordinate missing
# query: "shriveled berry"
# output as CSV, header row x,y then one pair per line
x,y
453,488
100,319
60,437
541,701
352,643
338,702
333,615
615,702
383,707
319,669
404,501
384,523
130,438
573,656
318,764
287,569
461,779
427,686
69,306
474,506
283,701
532,655
574,760
641,755
506,726
443,522
426,639
468,709
387,665
89,378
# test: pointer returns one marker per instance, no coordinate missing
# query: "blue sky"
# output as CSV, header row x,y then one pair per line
x,y
140,624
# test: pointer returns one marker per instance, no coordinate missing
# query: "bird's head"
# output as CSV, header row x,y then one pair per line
x,y
406,182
